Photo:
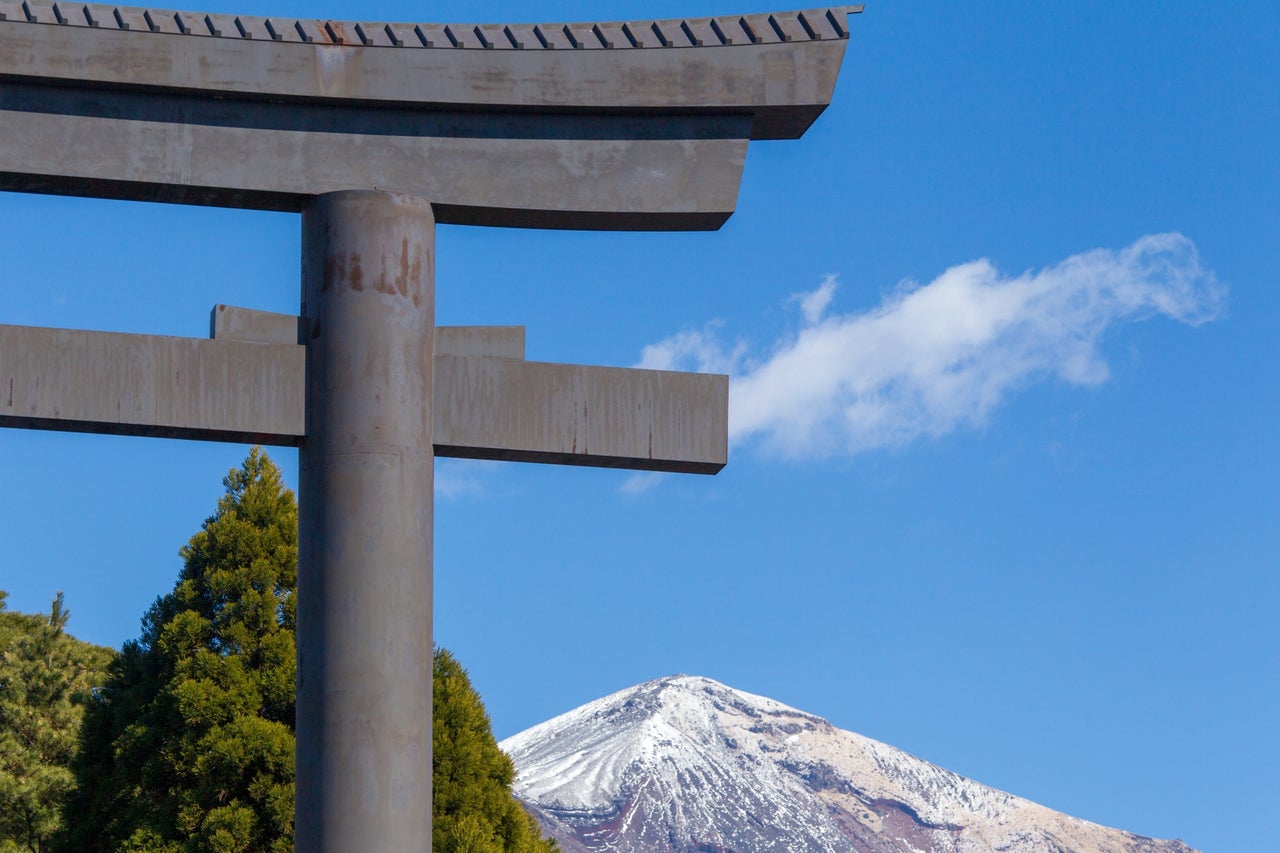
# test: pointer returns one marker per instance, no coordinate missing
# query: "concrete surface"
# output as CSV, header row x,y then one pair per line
x,y
246,385
229,323
779,67
220,390
365,526
610,417
639,125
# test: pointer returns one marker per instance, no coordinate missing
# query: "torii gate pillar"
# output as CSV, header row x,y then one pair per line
x,y
365,532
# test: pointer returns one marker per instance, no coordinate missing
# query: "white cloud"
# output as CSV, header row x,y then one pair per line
x,y
456,479
814,304
641,482
701,351
932,358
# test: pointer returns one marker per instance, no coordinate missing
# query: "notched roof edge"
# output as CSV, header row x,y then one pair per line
x,y
763,28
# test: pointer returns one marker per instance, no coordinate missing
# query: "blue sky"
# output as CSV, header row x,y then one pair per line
x,y
1003,483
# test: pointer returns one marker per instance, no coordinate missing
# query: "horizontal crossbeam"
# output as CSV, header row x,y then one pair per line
x,y
152,385
603,417
779,68
595,184
606,126
247,384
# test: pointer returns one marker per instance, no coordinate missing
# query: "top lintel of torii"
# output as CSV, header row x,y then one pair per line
x,y
638,125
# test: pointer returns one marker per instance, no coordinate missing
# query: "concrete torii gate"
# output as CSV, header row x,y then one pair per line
x,y
374,132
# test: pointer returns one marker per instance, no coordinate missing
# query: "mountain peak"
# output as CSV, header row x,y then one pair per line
x,y
685,764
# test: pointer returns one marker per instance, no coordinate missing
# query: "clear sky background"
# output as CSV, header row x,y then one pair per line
x,y
1017,516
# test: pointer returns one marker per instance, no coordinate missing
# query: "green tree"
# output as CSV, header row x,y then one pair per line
x,y
46,679
473,810
192,749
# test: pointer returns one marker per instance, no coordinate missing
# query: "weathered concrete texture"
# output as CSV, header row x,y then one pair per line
x,y
365,526
222,390
229,323
639,126
247,386
492,408
548,183
479,341
780,67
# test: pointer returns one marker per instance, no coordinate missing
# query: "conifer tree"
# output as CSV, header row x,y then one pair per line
x,y
192,749
46,679
474,811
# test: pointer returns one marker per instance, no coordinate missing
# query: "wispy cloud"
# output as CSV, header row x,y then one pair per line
x,y
701,350
456,479
936,357
641,482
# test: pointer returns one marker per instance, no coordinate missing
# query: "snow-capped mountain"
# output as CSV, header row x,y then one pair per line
x,y
688,765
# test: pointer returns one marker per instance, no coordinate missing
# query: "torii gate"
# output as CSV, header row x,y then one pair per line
x,y
375,132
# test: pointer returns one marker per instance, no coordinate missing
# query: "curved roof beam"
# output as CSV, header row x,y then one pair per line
x,y
637,125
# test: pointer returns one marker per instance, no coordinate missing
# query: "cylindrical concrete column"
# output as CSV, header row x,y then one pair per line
x,y
364,562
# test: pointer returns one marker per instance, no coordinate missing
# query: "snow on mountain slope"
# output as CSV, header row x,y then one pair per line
x,y
688,765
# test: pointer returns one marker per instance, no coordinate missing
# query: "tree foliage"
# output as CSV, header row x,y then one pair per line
x,y
46,679
474,811
191,749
